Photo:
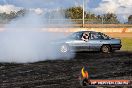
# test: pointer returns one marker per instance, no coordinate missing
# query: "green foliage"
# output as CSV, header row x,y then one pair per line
x,y
126,44
77,13
130,19
74,13
110,18
5,18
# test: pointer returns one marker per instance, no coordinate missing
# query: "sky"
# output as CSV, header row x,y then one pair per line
x,y
122,8
50,3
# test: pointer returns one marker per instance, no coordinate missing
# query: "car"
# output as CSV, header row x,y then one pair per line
x,y
88,41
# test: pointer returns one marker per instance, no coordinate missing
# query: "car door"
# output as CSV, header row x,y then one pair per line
x,y
95,41
77,43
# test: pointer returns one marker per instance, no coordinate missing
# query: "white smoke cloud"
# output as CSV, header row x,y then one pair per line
x,y
23,42
123,8
8,8
37,10
11,8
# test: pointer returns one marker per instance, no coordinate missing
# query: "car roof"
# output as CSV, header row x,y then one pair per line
x,y
88,31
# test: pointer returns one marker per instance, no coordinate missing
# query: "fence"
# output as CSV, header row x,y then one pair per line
x,y
77,23
88,23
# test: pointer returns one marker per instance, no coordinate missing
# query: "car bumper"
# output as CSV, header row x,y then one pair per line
x,y
116,46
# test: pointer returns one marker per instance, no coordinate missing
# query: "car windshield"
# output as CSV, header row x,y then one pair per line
x,y
105,36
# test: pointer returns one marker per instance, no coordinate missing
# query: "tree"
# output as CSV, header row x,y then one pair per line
x,y
77,13
21,12
110,18
74,13
130,19
5,18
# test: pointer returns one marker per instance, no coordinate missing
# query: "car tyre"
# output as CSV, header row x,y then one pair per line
x,y
105,49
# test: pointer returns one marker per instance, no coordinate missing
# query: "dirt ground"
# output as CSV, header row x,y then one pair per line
x,y
121,35
65,73
116,34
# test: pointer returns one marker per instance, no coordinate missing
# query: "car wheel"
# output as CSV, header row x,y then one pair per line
x,y
105,49
64,48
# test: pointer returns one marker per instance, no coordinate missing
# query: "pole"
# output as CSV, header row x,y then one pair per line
x,y
102,20
83,13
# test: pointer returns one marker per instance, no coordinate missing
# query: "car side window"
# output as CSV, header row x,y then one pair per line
x,y
76,36
96,36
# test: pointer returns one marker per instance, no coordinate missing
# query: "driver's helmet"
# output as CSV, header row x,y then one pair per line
x,y
85,35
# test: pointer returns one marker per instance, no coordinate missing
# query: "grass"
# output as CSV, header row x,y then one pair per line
x,y
126,44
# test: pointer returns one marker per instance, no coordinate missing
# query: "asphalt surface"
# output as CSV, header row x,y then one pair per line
x,y
65,73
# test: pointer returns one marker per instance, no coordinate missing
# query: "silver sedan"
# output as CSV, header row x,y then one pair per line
x,y
88,41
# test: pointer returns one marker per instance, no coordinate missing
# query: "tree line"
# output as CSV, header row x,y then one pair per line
x,y
73,13
109,18
5,18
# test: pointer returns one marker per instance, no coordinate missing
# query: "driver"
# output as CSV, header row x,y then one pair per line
x,y
85,36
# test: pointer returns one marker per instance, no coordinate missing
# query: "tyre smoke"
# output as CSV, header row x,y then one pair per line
x,y
24,42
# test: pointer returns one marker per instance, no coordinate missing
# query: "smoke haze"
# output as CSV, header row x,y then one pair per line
x,y
8,8
23,42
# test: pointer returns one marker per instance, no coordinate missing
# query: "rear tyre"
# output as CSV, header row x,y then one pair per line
x,y
105,49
